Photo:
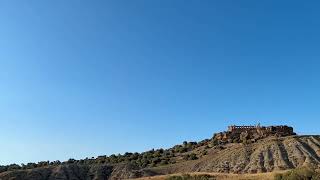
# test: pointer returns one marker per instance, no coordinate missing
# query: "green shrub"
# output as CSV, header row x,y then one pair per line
x,y
13,167
3,168
299,174
164,162
204,152
191,156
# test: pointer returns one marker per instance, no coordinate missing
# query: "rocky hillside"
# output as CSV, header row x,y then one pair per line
x,y
265,155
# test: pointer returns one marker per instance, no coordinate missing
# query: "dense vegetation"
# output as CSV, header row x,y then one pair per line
x,y
150,158
299,174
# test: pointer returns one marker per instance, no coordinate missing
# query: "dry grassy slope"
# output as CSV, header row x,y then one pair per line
x,y
266,155
223,176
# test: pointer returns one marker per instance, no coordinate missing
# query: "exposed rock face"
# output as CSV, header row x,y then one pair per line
x,y
251,133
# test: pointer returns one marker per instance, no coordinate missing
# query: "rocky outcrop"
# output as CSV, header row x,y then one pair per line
x,y
245,134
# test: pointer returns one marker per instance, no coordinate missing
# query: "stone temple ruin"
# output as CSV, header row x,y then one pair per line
x,y
247,134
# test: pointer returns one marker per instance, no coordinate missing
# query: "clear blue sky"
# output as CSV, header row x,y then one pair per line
x,y
85,78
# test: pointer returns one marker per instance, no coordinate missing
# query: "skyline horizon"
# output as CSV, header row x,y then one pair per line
x,y
115,153
80,79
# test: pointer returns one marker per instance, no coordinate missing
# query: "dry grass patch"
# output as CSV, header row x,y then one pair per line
x,y
216,176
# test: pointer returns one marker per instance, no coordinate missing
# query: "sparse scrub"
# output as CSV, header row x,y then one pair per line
x,y
204,152
191,156
299,174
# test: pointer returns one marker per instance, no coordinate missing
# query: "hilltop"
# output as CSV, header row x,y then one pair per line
x,y
240,149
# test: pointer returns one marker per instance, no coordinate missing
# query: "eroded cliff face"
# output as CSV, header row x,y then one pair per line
x,y
266,155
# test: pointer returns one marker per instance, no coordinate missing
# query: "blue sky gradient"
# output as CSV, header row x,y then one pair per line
x,y
86,78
